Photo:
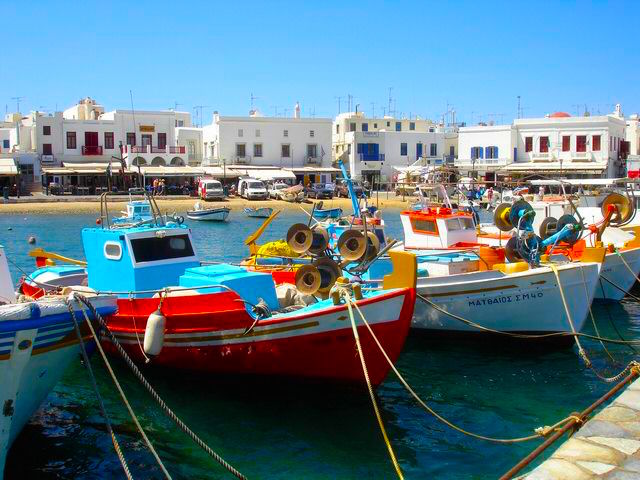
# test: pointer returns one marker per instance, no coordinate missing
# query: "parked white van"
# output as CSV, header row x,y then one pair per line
x,y
252,189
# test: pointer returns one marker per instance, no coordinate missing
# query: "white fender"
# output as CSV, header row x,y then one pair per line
x,y
154,333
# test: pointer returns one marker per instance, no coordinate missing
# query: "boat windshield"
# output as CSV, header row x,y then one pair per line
x,y
151,249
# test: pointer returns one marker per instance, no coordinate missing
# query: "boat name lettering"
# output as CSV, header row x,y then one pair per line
x,y
505,299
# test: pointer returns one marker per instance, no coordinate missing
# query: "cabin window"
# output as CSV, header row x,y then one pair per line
x,y
112,250
453,224
152,249
420,225
467,223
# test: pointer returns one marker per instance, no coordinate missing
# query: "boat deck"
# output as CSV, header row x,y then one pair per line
x,y
607,446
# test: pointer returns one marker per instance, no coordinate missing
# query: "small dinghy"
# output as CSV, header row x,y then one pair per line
x,y
323,214
264,212
218,214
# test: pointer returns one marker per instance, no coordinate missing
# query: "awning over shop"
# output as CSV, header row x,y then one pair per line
x,y
220,172
172,171
265,173
534,167
8,167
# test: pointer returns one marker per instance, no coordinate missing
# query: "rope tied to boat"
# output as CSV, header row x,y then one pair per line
x,y
121,392
165,408
344,291
94,385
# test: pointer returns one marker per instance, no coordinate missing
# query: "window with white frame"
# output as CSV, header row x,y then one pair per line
x,y
433,150
257,149
312,150
257,132
241,150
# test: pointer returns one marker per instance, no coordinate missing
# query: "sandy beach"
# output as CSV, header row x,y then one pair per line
x,y
66,205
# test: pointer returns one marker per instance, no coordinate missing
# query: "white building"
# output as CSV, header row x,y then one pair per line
x,y
86,137
374,146
557,144
268,141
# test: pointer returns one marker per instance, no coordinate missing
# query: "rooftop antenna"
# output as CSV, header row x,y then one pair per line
x,y
373,109
313,114
577,107
389,109
285,112
175,106
198,109
253,98
338,98
17,99
519,112
349,101
275,110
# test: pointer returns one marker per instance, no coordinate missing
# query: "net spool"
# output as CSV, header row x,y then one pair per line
x,y
548,227
352,245
622,206
373,246
501,217
319,241
569,220
329,272
511,250
521,210
299,237
308,279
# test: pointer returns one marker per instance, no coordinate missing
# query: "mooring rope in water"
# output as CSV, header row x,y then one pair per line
x,y
613,324
136,371
94,384
539,432
344,293
581,350
593,320
123,396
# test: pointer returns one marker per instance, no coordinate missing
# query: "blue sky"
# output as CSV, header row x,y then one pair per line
x,y
476,56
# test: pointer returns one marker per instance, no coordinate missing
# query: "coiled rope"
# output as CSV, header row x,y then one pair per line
x,y
123,396
94,384
539,432
156,396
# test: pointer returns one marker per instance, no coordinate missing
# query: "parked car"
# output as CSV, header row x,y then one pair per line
x,y
210,189
275,188
252,189
320,190
341,189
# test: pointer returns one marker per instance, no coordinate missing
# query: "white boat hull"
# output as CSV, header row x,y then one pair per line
x,y
527,301
615,272
214,215
33,357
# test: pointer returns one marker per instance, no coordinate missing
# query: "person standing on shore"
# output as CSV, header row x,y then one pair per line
x,y
154,188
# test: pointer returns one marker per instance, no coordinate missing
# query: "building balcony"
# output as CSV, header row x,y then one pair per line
x,y
178,149
91,150
48,160
314,160
243,160
371,157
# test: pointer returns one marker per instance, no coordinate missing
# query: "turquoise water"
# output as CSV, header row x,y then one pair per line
x,y
270,429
